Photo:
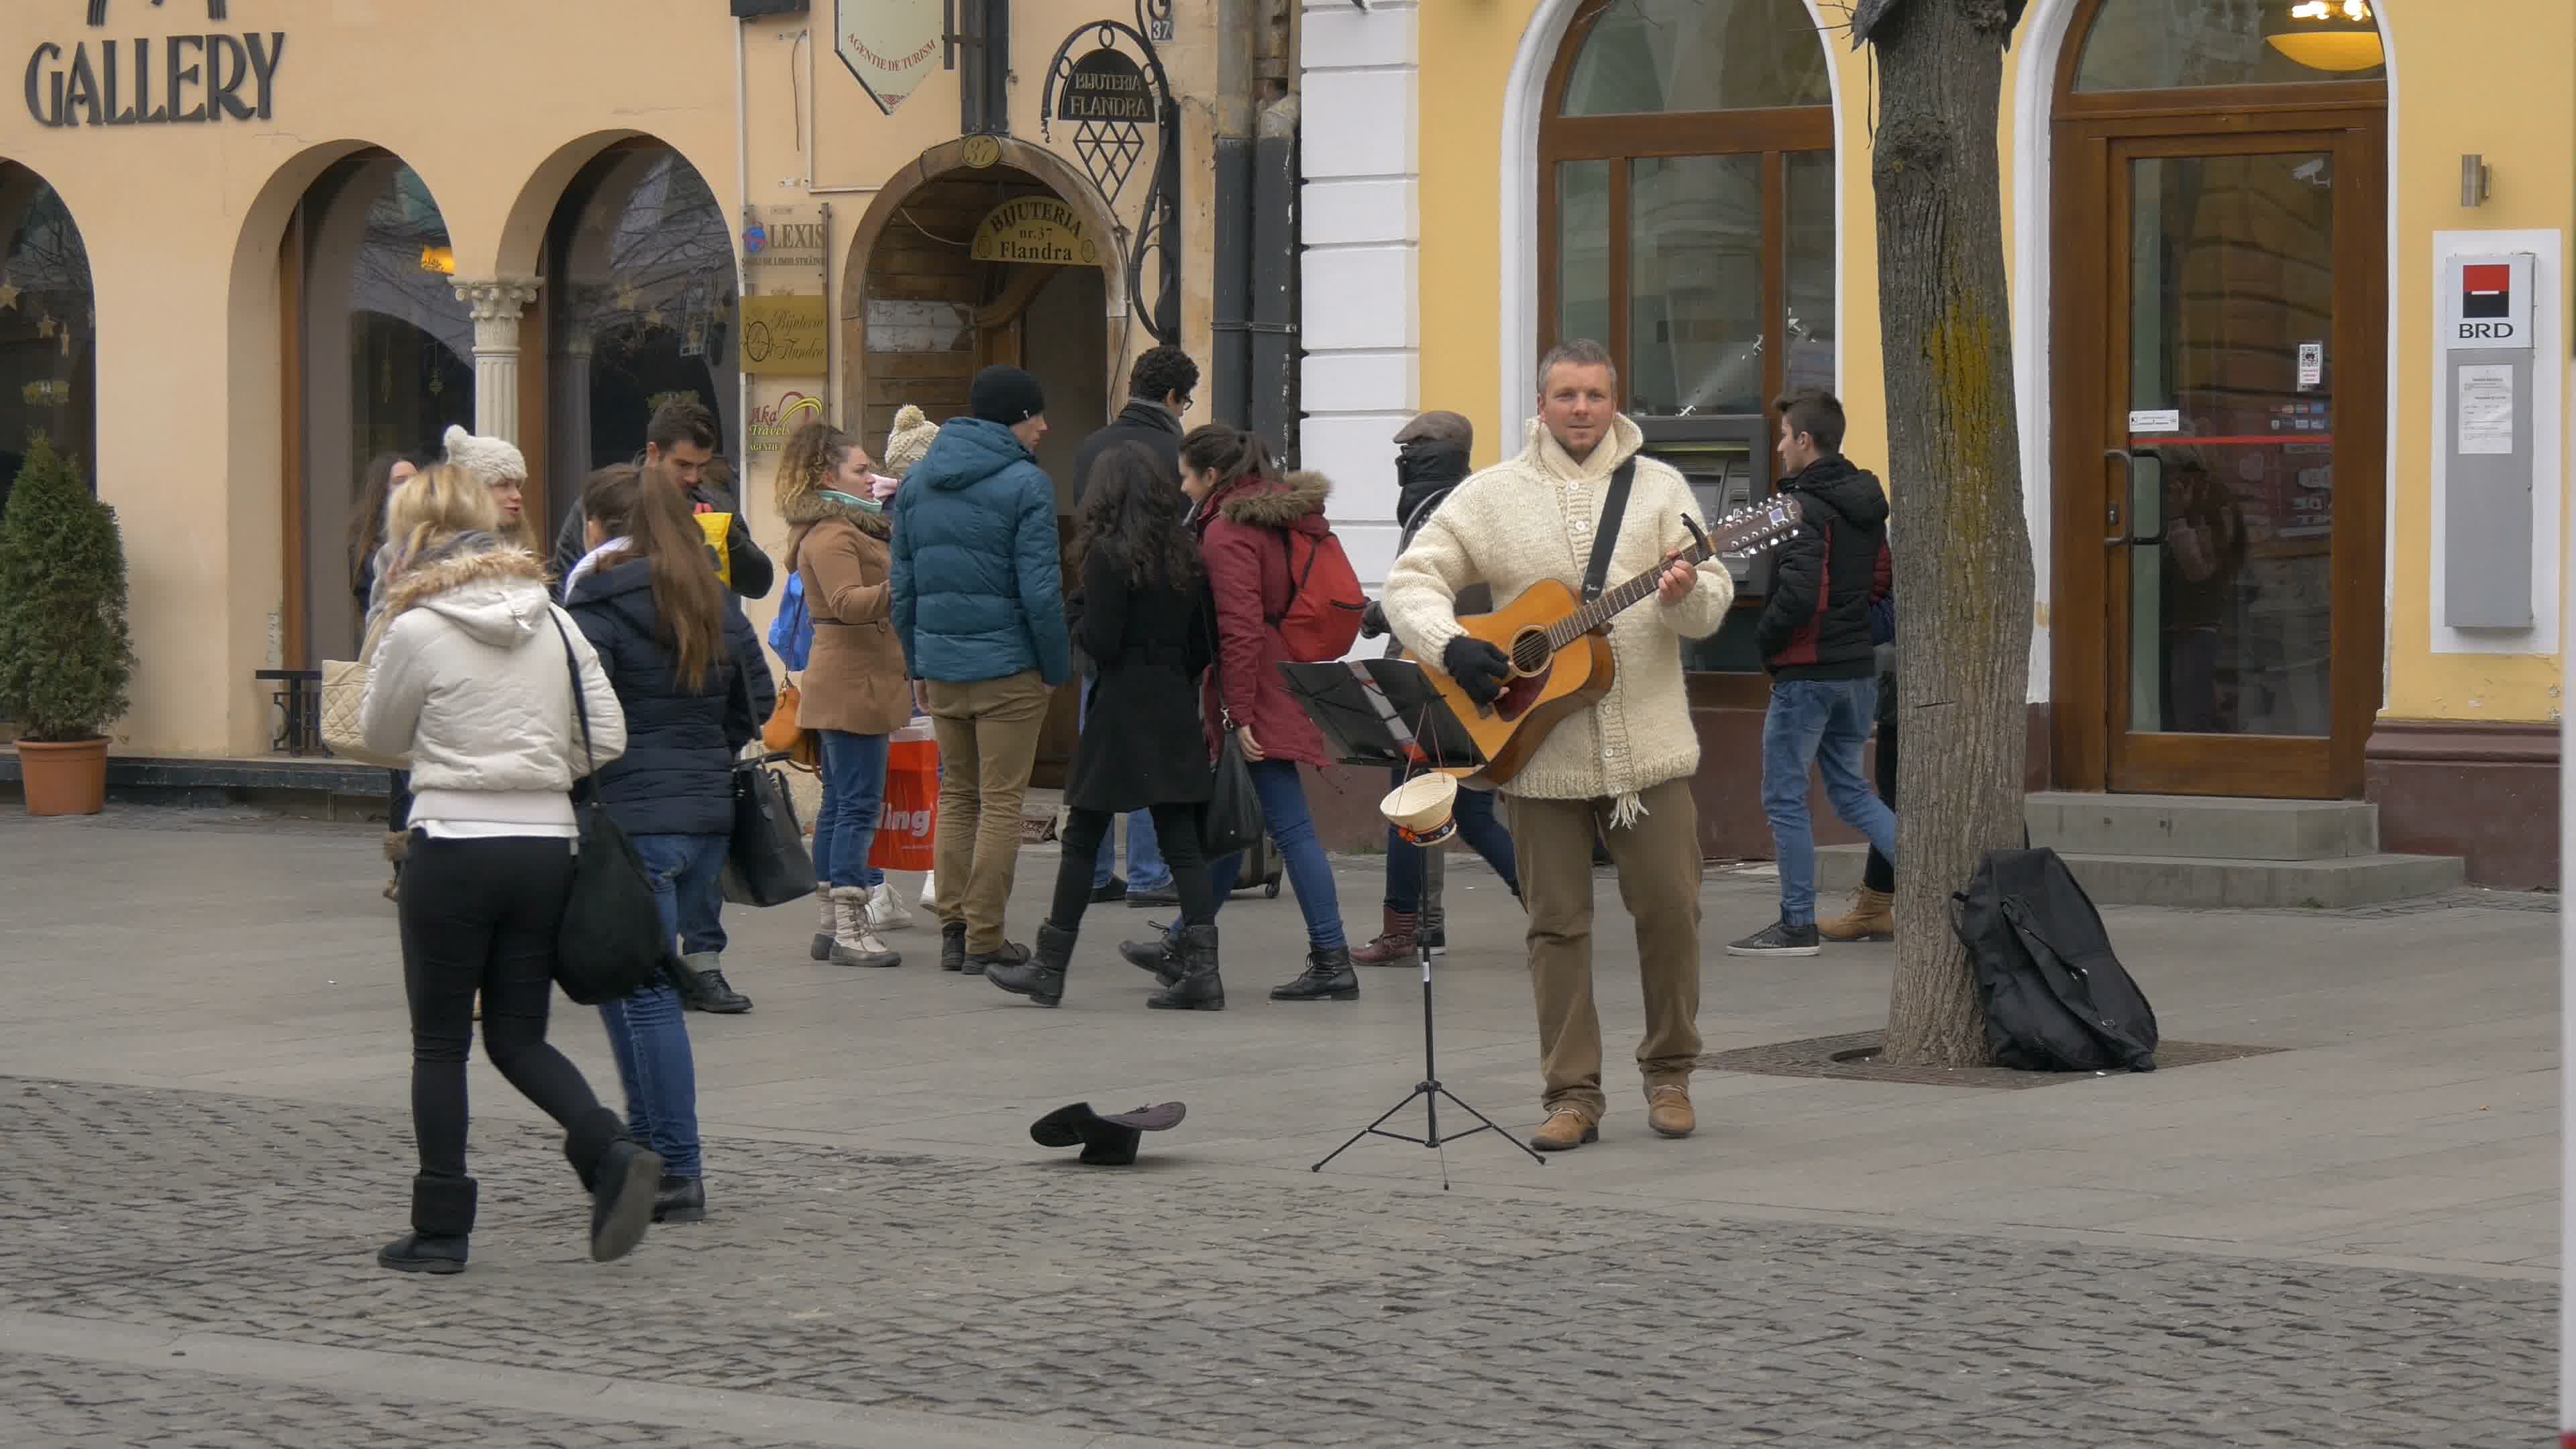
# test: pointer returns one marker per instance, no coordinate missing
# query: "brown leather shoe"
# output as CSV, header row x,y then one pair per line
x,y
1668,1110
1564,1130
1872,917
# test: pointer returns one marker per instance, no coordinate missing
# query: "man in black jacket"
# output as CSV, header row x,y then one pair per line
x,y
680,443
1159,388
1815,640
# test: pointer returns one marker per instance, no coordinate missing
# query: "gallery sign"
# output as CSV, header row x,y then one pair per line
x,y
174,80
1038,229
890,45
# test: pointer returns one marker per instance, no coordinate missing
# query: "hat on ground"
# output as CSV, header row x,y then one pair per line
x,y
490,460
1440,427
1105,1141
909,440
1005,395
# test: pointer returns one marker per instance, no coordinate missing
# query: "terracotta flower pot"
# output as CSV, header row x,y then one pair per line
x,y
64,779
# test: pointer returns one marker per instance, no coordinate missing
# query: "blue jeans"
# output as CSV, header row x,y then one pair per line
x,y
845,827
1292,830
1825,721
1476,825
686,871
1146,870
649,1031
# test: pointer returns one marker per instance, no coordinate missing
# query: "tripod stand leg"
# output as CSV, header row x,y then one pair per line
x,y
1372,1127
1491,1124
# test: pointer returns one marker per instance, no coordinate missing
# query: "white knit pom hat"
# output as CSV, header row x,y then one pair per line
x,y
488,459
910,439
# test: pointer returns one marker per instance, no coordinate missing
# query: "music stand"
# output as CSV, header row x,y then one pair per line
x,y
1383,712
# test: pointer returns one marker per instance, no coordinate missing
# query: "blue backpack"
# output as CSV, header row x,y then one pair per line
x,y
792,632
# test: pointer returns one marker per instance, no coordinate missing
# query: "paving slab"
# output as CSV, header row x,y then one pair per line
x,y
203,1089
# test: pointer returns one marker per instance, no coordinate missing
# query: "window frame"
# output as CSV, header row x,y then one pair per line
x,y
1771,133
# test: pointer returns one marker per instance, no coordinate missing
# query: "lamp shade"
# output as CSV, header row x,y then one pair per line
x,y
2328,35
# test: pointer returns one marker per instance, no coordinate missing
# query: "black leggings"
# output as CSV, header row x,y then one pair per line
x,y
1176,830
1880,874
481,915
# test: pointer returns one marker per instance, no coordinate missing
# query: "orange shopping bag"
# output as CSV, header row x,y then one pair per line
x,y
909,827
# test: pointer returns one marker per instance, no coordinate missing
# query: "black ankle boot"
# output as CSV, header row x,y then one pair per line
x,y
681,1200
1198,988
442,1215
952,946
1328,977
1161,955
1041,977
621,1206
415,1253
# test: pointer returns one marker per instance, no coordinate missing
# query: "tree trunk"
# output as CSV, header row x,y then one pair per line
x,y
1961,540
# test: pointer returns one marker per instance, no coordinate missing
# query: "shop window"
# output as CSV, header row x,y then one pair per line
x,y
2142,45
1687,221
385,355
48,328
639,298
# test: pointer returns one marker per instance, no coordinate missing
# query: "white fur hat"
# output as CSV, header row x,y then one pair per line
x,y
910,439
489,459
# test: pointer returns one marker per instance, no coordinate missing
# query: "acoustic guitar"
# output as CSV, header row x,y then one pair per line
x,y
1559,647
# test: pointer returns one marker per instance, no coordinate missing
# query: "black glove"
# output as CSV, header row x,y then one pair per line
x,y
1373,620
1479,667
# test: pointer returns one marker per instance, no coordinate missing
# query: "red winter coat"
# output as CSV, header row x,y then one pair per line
x,y
1243,534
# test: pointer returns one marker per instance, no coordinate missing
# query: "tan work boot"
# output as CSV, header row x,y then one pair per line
x,y
1564,1130
1668,1110
1872,917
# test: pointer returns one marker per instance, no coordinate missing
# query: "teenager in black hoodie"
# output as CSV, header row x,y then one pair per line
x,y
1430,463
1815,640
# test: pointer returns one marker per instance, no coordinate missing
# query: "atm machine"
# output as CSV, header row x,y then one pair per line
x,y
1727,460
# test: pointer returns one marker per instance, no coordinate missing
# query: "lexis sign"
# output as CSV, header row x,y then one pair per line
x,y
175,80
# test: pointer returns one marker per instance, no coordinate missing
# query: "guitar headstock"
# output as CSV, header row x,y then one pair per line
x,y
1750,530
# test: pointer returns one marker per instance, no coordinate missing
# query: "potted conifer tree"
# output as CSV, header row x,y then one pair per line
x,y
65,655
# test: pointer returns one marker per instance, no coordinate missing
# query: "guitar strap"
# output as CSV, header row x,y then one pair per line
x,y
1596,575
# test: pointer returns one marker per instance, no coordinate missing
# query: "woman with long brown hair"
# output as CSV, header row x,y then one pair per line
x,y
1246,510
1144,626
690,676
854,693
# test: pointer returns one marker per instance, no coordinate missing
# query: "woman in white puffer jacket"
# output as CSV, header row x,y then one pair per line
x,y
473,680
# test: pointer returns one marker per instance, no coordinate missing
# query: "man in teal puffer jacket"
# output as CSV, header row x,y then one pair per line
x,y
979,607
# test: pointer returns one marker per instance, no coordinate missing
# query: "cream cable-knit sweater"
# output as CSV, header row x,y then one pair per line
x,y
1532,518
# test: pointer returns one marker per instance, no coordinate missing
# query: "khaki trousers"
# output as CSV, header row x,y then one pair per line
x,y
988,740
1659,874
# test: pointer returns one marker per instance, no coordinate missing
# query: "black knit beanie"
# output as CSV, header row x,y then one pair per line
x,y
1005,395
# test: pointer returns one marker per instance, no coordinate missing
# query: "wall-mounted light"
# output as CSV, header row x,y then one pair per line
x,y
441,260
2473,180
2333,35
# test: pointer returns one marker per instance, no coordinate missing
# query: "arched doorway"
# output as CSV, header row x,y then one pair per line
x,y
639,302
381,360
2221,277
48,328
1686,221
974,265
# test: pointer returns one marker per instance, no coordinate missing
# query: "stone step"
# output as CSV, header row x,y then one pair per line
x,y
2174,880
2202,826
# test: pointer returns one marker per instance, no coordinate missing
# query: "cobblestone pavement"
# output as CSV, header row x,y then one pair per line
x,y
1179,1303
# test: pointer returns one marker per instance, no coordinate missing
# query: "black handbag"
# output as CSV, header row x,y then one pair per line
x,y
611,944
766,863
1231,820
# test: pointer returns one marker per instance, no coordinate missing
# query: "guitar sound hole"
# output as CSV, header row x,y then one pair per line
x,y
1530,652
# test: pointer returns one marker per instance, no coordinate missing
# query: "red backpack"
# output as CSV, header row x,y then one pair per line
x,y
1322,620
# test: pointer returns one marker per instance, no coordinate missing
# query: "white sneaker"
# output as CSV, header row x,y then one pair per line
x,y
885,909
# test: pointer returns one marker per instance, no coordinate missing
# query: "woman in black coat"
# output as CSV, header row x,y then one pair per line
x,y
1145,627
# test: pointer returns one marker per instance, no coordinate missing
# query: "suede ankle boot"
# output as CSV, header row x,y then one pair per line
x,y
442,1218
824,930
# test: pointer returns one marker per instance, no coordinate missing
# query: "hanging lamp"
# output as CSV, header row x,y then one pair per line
x,y
2329,35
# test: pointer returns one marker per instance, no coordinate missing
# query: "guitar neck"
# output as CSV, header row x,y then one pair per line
x,y
1614,602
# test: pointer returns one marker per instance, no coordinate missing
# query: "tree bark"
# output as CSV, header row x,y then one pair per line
x,y
1960,536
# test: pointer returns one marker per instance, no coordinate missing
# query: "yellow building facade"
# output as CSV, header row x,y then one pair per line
x,y
253,246
2299,521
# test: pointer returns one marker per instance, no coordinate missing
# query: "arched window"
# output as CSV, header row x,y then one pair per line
x,y
2143,45
1687,200
385,363
639,299
48,328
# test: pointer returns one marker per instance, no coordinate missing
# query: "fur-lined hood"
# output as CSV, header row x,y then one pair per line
x,y
816,505
1283,504
498,595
